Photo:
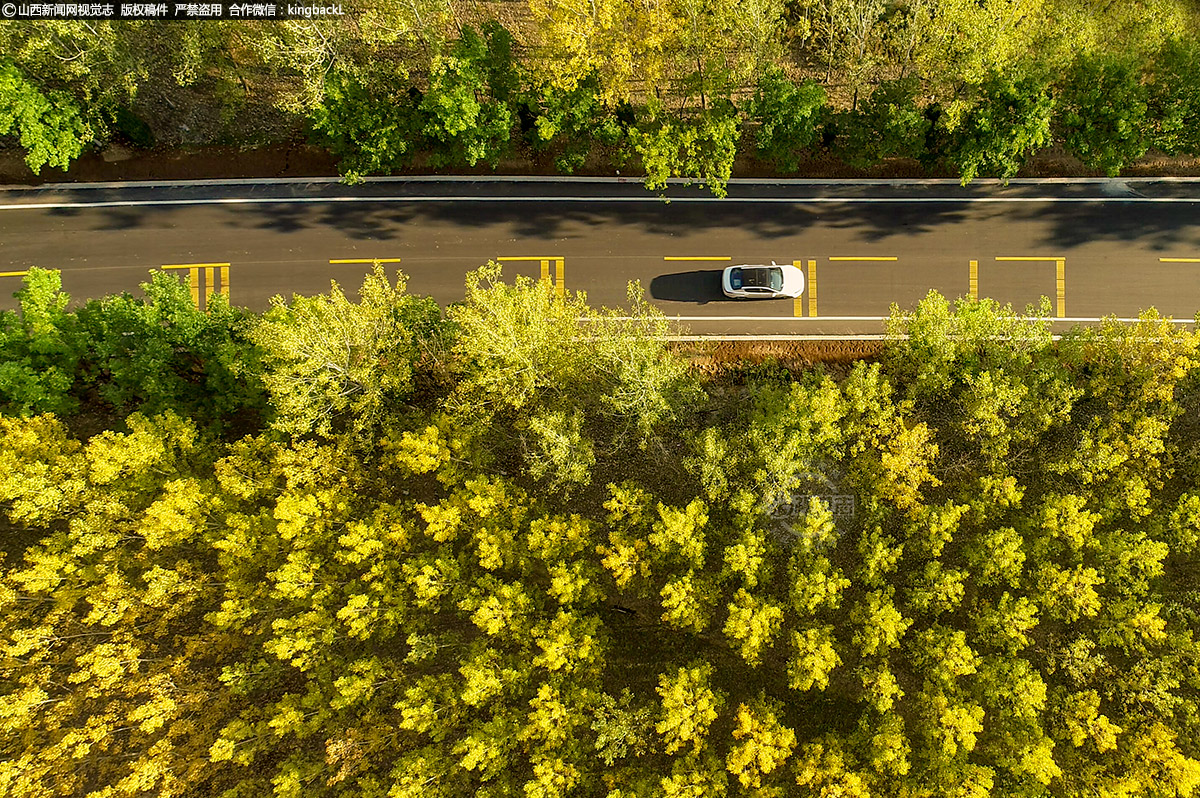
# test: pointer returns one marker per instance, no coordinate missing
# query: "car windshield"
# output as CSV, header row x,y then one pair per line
x,y
756,277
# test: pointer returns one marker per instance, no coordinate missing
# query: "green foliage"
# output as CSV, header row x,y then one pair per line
x,y
1174,97
412,606
332,364
602,375
152,355
373,126
38,357
434,82
1102,107
164,353
558,449
1004,121
700,147
570,123
890,124
786,115
467,109
621,729
48,126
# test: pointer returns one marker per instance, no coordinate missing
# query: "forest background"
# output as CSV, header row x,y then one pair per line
x,y
657,88
522,547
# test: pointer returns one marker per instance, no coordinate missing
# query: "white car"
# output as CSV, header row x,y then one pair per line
x,y
762,282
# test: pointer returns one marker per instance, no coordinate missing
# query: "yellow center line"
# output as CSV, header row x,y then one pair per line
x,y
366,260
974,279
1061,267
210,278
698,257
13,274
864,258
798,302
1179,260
812,288
544,261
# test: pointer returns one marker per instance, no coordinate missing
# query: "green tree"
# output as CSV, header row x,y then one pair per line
x,y
164,353
48,126
570,123
522,346
1173,101
373,124
998,127
328,361
966,41
39,358
889,124
697,147
468,107
786,117
1103,108
851,35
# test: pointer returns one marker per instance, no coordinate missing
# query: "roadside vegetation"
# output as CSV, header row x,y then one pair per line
x,y
677,88
366,547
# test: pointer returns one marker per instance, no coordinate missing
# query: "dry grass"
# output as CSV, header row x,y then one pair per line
x,y
722,358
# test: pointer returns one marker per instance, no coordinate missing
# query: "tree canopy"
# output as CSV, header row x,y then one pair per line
x,y
678,88
522,547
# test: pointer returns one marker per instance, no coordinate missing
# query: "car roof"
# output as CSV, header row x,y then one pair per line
x,y
757,275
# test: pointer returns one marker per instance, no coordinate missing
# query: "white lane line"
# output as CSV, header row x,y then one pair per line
x,y
1053,320
42,206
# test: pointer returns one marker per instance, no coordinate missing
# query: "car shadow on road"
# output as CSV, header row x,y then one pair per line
x,y
701,286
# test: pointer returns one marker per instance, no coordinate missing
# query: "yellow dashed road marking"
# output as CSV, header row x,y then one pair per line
x,y
544,260
1179,260
366,260
975,279
864,258
798,302
13,274
211,270
1060,266
697,257
812,288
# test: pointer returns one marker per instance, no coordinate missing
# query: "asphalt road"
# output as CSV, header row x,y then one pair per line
x,y
1094,248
